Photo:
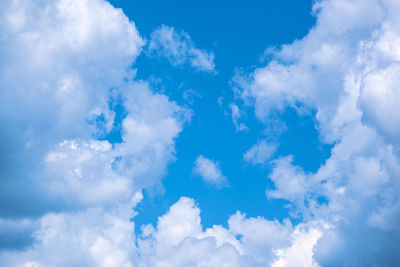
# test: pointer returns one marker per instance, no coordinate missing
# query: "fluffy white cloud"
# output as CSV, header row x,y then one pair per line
x,y
209,171
73,192
179,49
380,106
65,65
179,240
94,237
259,153
58,61
344,69
300,253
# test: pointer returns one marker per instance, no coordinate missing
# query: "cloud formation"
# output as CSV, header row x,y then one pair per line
x,y
179,49
179,240
236,115
66,66
259,153
74,188
344,69
209,171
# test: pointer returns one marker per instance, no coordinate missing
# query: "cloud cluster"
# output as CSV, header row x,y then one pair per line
x,y
346,70
67,189
179,240
179,49
65,76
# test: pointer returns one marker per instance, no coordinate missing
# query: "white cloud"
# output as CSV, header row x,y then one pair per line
x,y
209,171
179,49
290,182
259,153
300,253
59,61
236,114
345,70
179,240
94,237
380,106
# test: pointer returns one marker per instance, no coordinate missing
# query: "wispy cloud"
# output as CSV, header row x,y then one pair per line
x,y
179,49
259,153
209,171
236,114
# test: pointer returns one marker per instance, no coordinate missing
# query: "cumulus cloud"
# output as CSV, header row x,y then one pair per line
x,y
179,49
94,237
209,171
300,253
344,69
59,61
73,190
179,240
104,237
66,188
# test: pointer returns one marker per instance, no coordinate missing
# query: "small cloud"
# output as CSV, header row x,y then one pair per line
x,y
220,100
190,95
259,153
236,114
209,171
179,49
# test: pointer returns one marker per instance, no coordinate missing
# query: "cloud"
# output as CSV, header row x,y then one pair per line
x,y
236,114
16,234
259,153
104,237
73,189
190,95
300,253
380,106
179,49
94,237
66,187
209,171
179,240
344,69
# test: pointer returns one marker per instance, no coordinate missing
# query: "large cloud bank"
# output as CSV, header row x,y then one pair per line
x,y
347,70
67,193
65,76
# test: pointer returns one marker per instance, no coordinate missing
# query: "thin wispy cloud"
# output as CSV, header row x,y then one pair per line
x,y
179,49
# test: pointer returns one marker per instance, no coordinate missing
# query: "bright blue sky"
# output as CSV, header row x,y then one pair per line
x,y
237,33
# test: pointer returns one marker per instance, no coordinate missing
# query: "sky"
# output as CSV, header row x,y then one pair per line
x,y
211,133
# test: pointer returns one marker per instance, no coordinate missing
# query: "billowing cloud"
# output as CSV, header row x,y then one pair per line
x,y
344,69
58,61
66,67
179,49
67,187
179,240
94,237
209,171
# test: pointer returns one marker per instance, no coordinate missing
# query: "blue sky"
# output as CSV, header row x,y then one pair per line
x,y
209,133
238,39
